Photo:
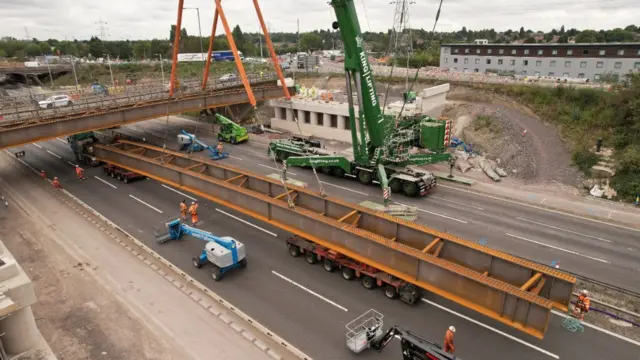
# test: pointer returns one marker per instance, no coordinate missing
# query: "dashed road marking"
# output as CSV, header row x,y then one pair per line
x,y
436,214
61,140
563,229
344,188
235,157
558,248
455,202
247,222
178,192
106,182
34,144
276,169
54,154
142,202
309,291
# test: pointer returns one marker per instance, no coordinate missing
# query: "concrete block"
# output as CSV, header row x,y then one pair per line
x,y
162,273
260,345
225,318
274,355
154,267
248,335
195,297
236,327
168,278
214,310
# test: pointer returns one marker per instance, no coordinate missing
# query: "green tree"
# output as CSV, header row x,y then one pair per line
x,y
142,50
529,40
589,36
32,50
172,33
521,33
238,37
619,35
3,53
310,41
96,47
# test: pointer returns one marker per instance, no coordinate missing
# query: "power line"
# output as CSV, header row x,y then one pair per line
x,y
103,29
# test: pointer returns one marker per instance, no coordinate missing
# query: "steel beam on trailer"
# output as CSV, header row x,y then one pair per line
x,y
29,132
396,252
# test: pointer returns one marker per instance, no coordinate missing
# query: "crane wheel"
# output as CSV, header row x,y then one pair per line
x,y
410,188
337,172
233,140
365,177
390,292
196,262
395,185
220,138
243,263
311,257
368,282
294,250
348,273
326,170
216,273
328,265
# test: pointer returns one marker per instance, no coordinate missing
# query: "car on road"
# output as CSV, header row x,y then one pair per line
x,y
285,66
55,101
228,77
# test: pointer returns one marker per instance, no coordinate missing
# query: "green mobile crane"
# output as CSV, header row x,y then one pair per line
x,y
230,131
386,144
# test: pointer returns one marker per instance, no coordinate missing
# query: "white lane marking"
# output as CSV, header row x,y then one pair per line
x,y
54,154
276,169
436,214
235,157
563,229
493,329
455,202
178,192
142,202
344,188
538,207
70,163
104,181
134,129
557,248
255,152
634,342
246,222
34,144
309,291
61,140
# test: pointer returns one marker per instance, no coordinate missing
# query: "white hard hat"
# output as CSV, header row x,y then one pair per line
x,y
452,328
193,202
585,292
77,165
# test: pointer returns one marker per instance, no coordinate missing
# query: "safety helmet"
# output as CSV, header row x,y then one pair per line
x,y
55,178
452,328
77,165
193,203
585,292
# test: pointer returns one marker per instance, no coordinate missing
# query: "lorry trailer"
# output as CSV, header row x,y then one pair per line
x,y
121,174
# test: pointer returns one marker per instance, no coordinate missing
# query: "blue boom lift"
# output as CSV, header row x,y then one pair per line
x,y
224,253
190,143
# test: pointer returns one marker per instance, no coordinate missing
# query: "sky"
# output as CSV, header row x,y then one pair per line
x,y
147,19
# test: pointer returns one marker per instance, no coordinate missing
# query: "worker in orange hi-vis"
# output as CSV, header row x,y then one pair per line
x,y
43,174
183,210
80,172
583,305
219,148
448,340
56,183
193,211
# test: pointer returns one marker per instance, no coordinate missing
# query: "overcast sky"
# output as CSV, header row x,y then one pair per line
x,y
145,19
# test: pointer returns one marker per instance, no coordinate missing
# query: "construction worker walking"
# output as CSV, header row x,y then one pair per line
x,y
56,183
80,172
582,305
448,340
193,211
183,210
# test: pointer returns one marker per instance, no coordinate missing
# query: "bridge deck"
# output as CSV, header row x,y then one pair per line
x,y
509,289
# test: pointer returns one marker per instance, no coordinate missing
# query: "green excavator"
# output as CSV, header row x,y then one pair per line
x,y
386,148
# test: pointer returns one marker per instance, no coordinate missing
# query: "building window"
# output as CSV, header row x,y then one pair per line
x,y
489,51
525,62
526,51
446,50
475,70
477,52
540,52
552,74
539,63
618,65
602,53
466,60
567,64
488,61
615,77
334,121
501,51
512,62
455,60
446,60
554,52
455,51
599,64
499,61
620,52
565,75
513,52
581,76
552,63
570,52
466,51
585,52
536,74
583,64
477,61
524,72
596,77
636,65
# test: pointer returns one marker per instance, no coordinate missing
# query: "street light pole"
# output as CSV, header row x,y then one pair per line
x,y
113,83
46,58
75,76
161,68
199,32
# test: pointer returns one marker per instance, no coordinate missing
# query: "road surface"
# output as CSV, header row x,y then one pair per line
x,y
303,303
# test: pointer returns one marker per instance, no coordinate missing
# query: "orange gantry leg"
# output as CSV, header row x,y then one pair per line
x,y
176,47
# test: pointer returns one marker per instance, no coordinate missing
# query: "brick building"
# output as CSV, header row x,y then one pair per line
x,y
582,61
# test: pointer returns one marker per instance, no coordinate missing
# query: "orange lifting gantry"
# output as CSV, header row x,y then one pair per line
x,y
219,14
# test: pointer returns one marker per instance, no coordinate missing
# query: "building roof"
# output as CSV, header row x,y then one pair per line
x,y
548,44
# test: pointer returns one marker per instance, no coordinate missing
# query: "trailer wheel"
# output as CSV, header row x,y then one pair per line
x,y
368,282
113,175
337,172
311,257
328,265
243,263
365,177
410,188
294,250
348,273
395,185
126,179
233,140
390,292
196,262
216,273
326,170
220,137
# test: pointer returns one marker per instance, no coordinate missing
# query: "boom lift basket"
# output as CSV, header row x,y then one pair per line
x,y
364,330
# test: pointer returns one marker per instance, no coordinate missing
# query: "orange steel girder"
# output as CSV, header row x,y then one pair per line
x,y
208,64
176,47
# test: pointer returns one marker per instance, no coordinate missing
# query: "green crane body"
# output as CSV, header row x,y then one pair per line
x,y
230,131
383,144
